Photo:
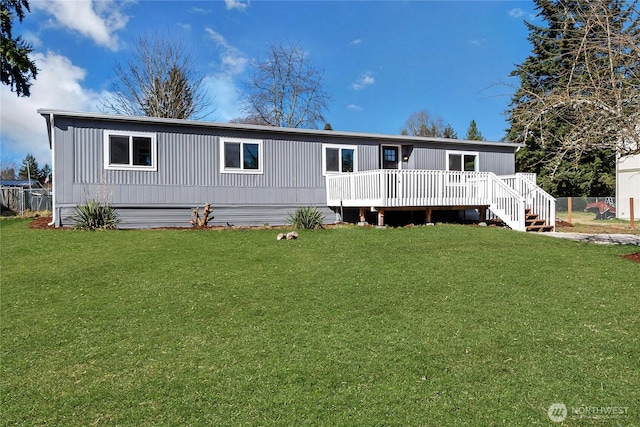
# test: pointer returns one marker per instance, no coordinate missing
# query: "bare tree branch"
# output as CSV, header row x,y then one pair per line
x,y
159,79
598,105
285,90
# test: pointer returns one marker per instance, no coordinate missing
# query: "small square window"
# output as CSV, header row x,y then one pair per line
x,y
462,161
241,156
125,150
339,159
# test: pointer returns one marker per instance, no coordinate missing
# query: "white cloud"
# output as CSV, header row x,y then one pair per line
x,y
200,10
478,42
97,19
32,39
233,61
58,86
365,80
354,107
355,42
223,83
227,97
516,13
236,4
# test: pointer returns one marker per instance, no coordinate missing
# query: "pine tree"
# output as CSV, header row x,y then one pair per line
x,y
18,69
29,168
473,134
449,132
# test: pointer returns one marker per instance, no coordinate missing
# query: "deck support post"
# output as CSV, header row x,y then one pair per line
x,y
362,214
428,215
483,214
380,217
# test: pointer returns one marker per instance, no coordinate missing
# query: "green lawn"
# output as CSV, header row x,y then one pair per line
x,y
441,325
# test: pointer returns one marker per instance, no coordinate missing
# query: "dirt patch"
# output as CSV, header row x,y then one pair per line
x,y
632,257
563,223
597,229
41,222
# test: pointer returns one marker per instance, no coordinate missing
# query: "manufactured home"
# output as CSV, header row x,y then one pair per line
x,y
155,171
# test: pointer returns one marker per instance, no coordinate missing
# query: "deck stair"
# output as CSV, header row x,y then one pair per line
x,y
533,223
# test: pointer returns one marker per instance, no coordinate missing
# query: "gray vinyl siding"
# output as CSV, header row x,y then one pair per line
x,y
498,163
154,217
428,159
188,172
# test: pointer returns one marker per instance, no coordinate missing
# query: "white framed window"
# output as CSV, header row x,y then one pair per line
x,y
239,155
339,159
124,150
462,161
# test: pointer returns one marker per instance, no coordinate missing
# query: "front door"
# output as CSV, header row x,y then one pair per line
x,y
390,157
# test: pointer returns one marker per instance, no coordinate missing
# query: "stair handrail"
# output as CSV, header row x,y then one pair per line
x,y
506,203
537,200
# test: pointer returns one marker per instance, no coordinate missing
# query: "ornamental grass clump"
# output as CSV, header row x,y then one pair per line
x,y
95,215
307,218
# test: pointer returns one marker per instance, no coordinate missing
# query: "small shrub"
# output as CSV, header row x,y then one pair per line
x,y
95,215
307,218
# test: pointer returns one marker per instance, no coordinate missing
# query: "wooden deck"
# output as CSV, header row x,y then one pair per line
x,y
507,197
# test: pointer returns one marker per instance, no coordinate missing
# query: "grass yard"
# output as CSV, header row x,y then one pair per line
x,y
441,325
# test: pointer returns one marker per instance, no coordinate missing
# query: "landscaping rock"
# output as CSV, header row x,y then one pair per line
x,y
292,235
281,236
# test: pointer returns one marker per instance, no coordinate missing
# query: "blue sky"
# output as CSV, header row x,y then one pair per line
x,y
382,60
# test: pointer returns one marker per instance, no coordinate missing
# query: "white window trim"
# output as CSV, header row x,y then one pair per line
x,y
463,153
325,172
240,170
154,150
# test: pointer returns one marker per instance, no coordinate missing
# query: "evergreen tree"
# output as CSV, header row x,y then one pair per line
x,y
578,95
29,169
171,96
473,134
45,173
17,68
449,132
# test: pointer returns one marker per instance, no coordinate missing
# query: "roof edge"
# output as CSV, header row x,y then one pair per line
x,y
47,112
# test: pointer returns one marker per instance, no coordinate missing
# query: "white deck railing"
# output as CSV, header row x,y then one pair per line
x,y
384,188
535,198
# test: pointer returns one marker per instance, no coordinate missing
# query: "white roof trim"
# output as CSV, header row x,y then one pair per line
x,y
278,130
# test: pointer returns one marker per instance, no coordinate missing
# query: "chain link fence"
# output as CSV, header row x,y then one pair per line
x,y
18,200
